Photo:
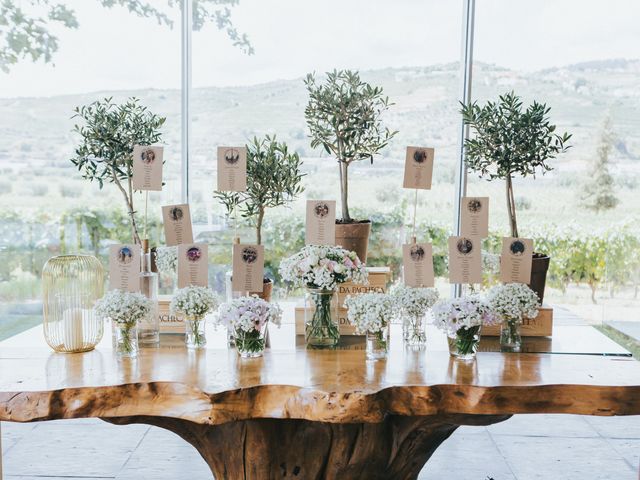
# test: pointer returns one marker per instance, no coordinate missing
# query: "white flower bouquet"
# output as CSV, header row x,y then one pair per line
x,y
167,259
371,314
513,302
461,319
413,304
194,302
247,317
323,267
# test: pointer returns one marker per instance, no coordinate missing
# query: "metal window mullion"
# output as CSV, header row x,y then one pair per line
x,y
186,30
468,19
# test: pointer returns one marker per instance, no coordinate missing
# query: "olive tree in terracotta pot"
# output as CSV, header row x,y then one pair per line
x,y
274,179
344,117
511,141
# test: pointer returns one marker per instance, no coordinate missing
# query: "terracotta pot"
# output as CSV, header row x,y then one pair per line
x,y
539,269
355,237
267,289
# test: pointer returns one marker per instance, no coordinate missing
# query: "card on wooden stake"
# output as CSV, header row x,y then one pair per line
x,y
232,169
418,168
474,220
516,260
321,222
465,260
177,224
193,265
248,268
147,167
124,267
417,261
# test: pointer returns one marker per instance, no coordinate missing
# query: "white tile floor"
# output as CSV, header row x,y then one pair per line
x,y
526,447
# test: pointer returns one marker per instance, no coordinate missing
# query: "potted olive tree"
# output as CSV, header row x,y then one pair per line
x,y
105,154
511,141
344,117
273,180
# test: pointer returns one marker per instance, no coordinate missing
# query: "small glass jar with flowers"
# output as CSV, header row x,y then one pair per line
x,y
513,303
125,310
320,269
166,260
247,317
462,319
371,313
413,304
194,302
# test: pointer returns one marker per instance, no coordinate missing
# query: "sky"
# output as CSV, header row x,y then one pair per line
x,y
113,49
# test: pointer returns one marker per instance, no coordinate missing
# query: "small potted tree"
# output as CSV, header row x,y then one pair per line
x,y
274,179
109,131
510,141
344,117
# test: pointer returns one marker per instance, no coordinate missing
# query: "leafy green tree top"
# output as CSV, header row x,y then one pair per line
x,y
273,180
598,192
108,133
344,117
511,141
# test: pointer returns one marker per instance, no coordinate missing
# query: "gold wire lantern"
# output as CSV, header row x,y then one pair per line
x,y
71,285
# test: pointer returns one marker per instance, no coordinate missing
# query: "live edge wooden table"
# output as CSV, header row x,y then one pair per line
x,y
309,414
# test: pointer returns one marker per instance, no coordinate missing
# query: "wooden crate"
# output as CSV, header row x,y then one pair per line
x,y
343,324
379,278
169,323
541,326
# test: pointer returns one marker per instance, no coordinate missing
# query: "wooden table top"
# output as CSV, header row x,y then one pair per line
x,y
215,386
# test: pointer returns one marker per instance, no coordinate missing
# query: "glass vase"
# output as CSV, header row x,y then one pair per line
x,y
250,344
71,285
321,318
414,331
126,339
378,344
510,338
464,344
195,336
149,327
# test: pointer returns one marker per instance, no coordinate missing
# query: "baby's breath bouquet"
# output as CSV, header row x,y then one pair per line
x,y
371,313
513,302
247,318
320,269
125,310
194,302
167,259
413,304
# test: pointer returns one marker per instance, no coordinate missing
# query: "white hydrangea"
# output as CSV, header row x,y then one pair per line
x,y
415,302
125,308
513,301
167,259
370,312
324,267
248,313
194,301
464,312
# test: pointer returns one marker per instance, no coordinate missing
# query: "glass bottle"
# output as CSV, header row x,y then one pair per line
x,y
149,328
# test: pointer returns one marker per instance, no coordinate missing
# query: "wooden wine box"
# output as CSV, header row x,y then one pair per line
x,y
379,278
169,323
540,326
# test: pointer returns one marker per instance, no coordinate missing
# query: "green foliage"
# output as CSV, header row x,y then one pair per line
x,y
273,180
108,134
510,141
598,192
344,117
27,29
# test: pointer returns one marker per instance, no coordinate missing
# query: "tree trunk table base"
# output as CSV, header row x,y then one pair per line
x,y
396,448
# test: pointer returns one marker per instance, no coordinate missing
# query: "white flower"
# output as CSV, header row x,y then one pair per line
x,y
464,312
323,267
123,307
248,314
370,312
513,301
167,259
194,301
415,302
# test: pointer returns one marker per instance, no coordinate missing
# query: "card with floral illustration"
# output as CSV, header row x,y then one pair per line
x,y
147,167
474,216
124,267
516,260
232,169
417,262
193,265
418,168
465,259
248,268
177,224
321,222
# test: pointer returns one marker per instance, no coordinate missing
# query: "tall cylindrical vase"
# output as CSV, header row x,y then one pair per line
x,y
126,339
71,285
321,318
195,336
510,337
414,331
377,344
